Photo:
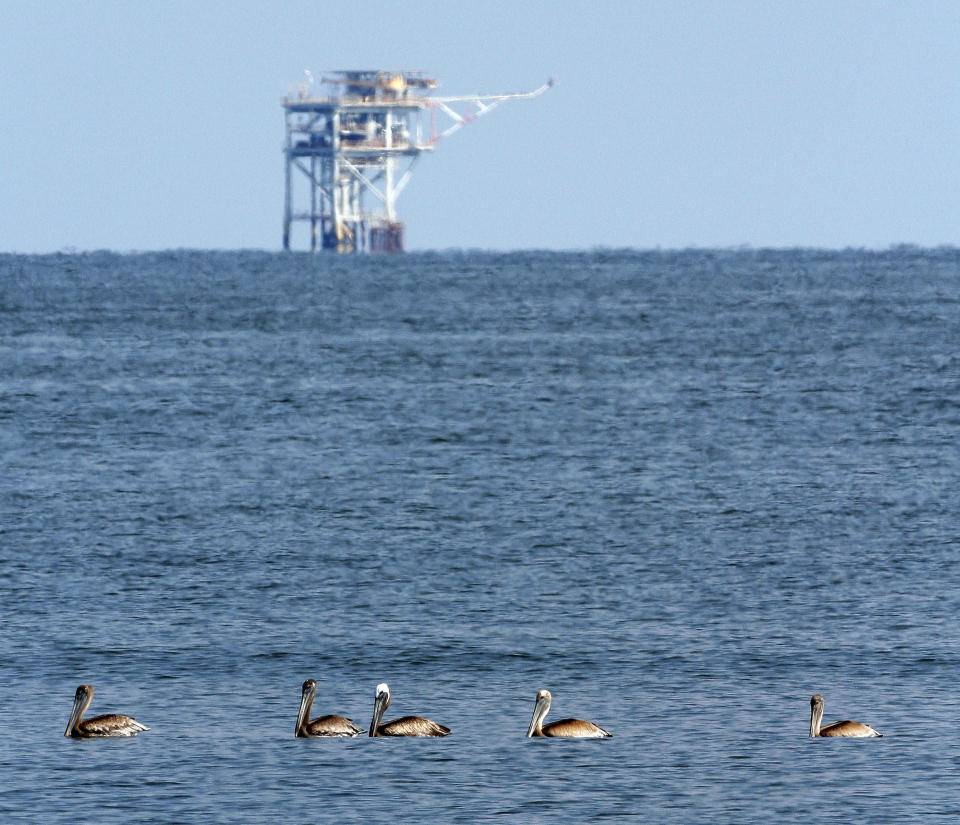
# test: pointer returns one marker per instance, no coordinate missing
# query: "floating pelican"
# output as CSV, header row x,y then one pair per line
x,y
325,725
566,728
405,725
845,728
109,724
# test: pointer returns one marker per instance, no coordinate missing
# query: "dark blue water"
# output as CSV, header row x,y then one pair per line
x,y
683,491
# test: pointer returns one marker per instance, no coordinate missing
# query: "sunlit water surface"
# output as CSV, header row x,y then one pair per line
x,y
683,491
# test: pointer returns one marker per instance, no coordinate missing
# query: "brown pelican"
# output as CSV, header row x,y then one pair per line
x,y
405,725
324,725
109,724
846,728
567,728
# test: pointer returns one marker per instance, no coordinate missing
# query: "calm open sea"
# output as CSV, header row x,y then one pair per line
x,y
681,490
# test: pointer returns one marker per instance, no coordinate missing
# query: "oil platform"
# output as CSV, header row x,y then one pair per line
x,y
361,140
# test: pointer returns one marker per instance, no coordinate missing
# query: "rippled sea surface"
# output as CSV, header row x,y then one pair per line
x,y
683,491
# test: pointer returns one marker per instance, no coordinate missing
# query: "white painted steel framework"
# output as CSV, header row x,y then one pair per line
x,y
363,139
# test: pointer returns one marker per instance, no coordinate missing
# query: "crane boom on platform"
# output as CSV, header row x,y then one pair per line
x,y
484,104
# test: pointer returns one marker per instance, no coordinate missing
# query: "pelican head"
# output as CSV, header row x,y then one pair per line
x,y
539,711
380,703
306,700
816,713
81,701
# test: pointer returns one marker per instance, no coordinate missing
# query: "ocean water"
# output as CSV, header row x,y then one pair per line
x,y
681,490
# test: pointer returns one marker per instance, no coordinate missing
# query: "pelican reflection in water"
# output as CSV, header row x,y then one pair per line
x,y
331,725
405,725
565,728
109,724
845,728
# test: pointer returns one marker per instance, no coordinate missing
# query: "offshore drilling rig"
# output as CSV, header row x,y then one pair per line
x,y
362,138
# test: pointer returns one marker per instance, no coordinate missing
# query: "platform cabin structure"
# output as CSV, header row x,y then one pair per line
x,y
361,140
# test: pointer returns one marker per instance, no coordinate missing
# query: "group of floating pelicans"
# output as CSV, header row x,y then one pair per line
x,y
115,724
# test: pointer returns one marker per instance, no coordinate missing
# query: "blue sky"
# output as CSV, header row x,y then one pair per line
x,y
135,125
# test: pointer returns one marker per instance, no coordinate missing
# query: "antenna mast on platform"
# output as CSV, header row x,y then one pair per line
x,y
361,140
